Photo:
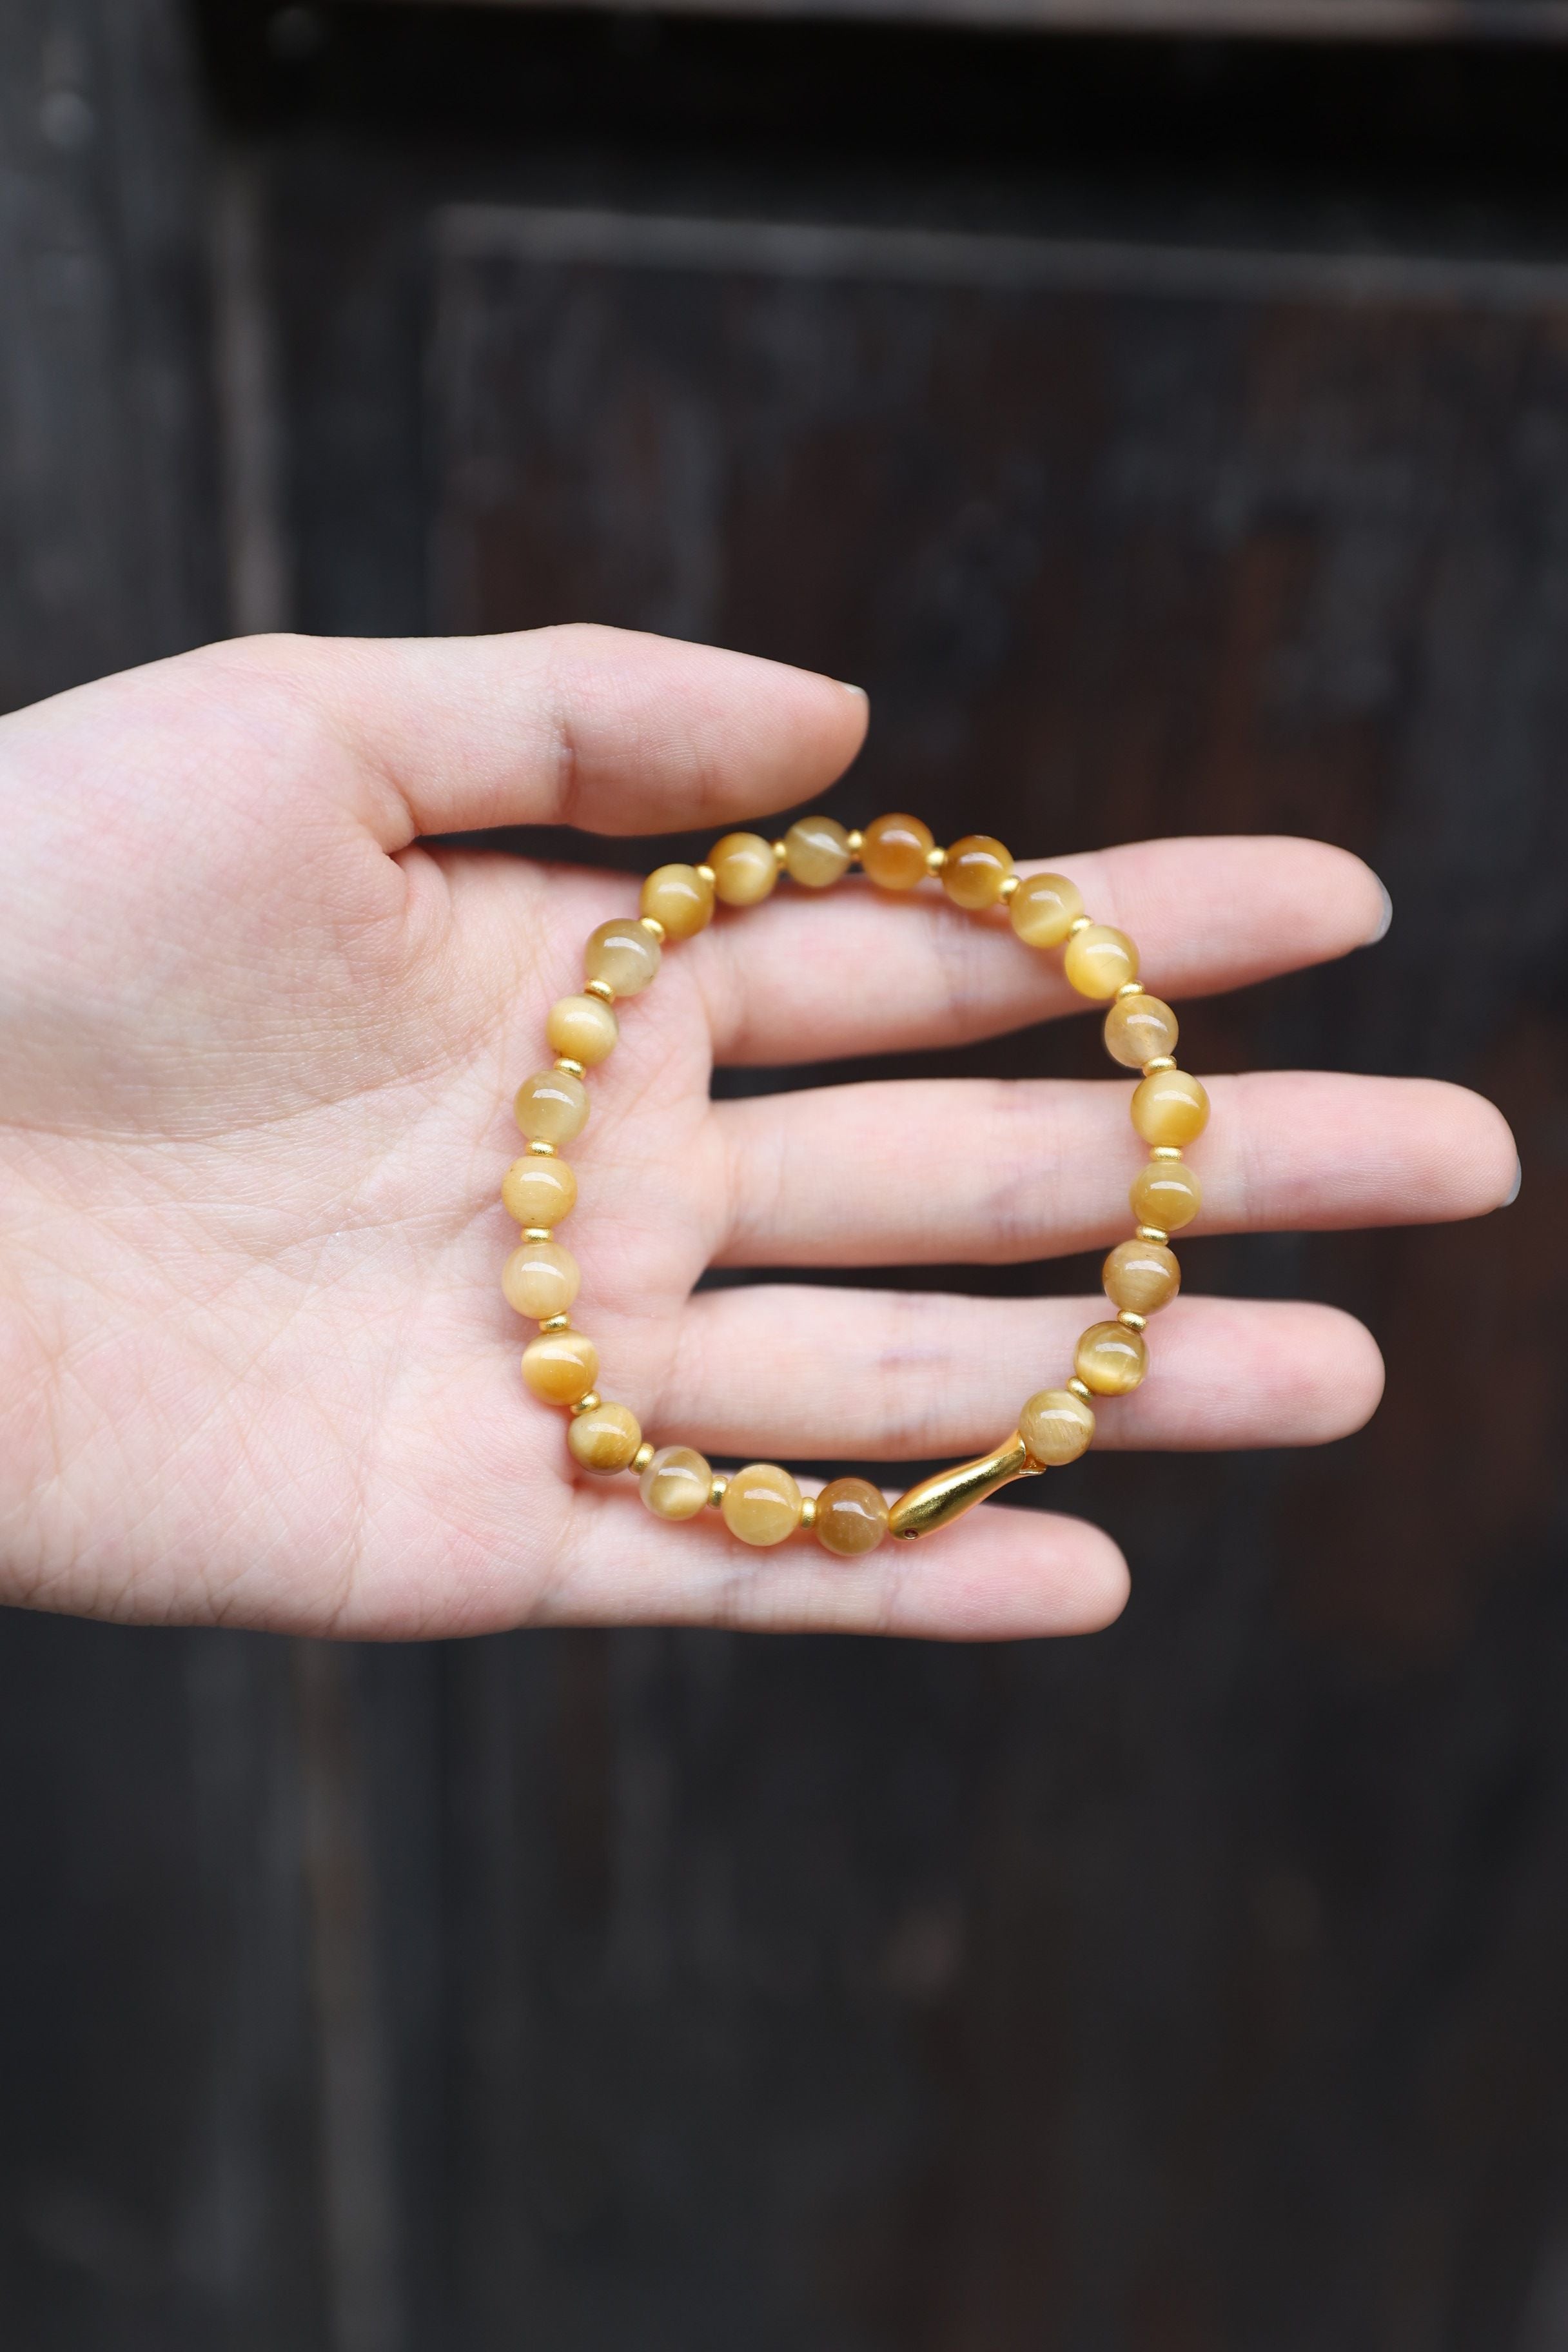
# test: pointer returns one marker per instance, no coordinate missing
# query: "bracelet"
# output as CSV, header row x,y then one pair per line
x,y
762,1504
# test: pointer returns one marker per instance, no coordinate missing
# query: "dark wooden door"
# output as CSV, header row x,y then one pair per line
x,y
1171,438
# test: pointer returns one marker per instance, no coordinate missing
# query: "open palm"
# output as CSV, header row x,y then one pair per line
x,y
257,1049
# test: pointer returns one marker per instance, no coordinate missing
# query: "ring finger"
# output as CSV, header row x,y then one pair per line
x,y
796,1373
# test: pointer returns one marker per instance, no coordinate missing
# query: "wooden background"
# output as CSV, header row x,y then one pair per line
x,y
1171,437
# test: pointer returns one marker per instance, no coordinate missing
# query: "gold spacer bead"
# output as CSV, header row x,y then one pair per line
x,y
857,841
641,1458
1133,1322
1081,1389
542,1150
565,1062
1009,889
1152,1234
780,853
717,1492
707,874
1165,1151
651,924
1079,923
600,989
537,1233
585,1404
936,860
1130,988
808,1511
1160,1061
556,1323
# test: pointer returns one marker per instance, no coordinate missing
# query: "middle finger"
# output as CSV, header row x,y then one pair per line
x,y
997,1171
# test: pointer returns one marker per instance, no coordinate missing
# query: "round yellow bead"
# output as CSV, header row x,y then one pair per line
x,y
744,869
561,1367
1165,1194
894,852
623,955
551,1107
1110,1359
1044,908
762,1504
1138,1029
1098,960
539,1191
681,898
816,851
1141,1276
603,1439
851,1517
975,871
541,1279
676,1483
1170,1108
583,1027
1056,1427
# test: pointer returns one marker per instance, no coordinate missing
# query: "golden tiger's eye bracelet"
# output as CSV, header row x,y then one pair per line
x,y
762,1504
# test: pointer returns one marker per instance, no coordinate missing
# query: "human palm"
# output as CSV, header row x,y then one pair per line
x,y
256,1053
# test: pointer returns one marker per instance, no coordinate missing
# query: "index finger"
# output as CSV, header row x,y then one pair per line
x,y
799,980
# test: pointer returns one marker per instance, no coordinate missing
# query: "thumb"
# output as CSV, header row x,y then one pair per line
x,y
609,729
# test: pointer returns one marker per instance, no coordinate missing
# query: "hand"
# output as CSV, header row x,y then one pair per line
x,y
257,1049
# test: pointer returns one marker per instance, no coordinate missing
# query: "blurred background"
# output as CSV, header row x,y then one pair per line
x,y
1162,407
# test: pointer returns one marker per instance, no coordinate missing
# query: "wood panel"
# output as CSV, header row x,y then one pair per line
x,y
1195,1986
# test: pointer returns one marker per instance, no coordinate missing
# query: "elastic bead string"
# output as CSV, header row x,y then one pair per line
x,y
762,1504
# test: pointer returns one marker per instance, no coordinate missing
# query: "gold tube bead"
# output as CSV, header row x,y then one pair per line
x,y
1079,923
542,1150
1081,1389
585,1404
937,1501
707,874
538,1234
600,989
556,1322
654,927
781,855
716,1491
1009,889
1160,1062
565,1062
1165,1151
1131,988
1133,1322
856,843
808,1511
1150,1233
641,1458
936,860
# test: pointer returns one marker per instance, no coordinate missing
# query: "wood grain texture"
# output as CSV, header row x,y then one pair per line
x,y
158,2182
110,545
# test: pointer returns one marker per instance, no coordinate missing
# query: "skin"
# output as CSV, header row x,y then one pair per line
x,y
257,1049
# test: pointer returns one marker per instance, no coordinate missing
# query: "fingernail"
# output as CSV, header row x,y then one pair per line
x,y
1512,1193
1387,917
860,690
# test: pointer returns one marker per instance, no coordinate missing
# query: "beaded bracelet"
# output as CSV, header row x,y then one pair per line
x,y
762,1504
